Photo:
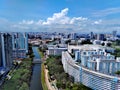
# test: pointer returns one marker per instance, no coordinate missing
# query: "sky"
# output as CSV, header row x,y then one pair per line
x,y
100,16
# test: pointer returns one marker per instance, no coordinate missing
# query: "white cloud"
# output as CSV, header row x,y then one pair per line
x,y
58,18
106,12
61,22
97,22
77,19
62,18
27,22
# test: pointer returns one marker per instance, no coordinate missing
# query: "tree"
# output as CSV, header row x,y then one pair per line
x,y
24,86
58,84
108,44
117,42
32,55
68,41
118,72
86,42
79,86
103,44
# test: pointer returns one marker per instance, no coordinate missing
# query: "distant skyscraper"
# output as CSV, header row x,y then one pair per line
x,y
114,33
91,35
73,35
100,36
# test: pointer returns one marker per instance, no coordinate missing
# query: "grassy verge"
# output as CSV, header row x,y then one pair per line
x,y
20,77
42,72
41,53
43,78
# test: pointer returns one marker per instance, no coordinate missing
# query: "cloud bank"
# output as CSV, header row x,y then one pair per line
x,y
60,22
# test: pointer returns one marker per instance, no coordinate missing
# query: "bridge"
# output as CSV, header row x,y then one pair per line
x,y
37,61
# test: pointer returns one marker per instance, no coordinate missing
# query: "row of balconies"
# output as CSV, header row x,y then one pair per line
x,y
90,78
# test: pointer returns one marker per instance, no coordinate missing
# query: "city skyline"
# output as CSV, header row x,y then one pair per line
x,y
66,15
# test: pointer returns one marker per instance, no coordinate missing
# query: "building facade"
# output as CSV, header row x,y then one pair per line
x,y
20,45
54,50
5,50
92,66
90,78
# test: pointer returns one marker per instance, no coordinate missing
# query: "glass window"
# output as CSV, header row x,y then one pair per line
x,y
84,53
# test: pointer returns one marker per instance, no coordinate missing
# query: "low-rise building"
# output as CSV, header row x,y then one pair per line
x,y
55,50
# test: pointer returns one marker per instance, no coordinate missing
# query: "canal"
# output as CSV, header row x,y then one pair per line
x,y
36,74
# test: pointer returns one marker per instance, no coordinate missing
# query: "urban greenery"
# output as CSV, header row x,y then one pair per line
x,y
20,77
20,73
56,72
86,42
67,41
43,48
30,51
44,86
41,53
117,52
116,43
118,72
116,46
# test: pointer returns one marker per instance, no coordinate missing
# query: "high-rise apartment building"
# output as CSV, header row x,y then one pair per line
x,y
20,45
100,36
114,33
91,35
5,50
92,66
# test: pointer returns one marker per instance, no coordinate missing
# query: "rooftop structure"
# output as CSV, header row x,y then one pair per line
x,y
89,47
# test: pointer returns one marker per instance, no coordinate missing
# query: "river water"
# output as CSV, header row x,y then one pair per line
x,y
36,75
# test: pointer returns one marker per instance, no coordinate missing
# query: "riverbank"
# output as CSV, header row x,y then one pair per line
x,y
41,53
43,78
20,77
44,74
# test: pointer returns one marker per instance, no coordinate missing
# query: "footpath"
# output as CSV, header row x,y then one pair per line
x,y
50,84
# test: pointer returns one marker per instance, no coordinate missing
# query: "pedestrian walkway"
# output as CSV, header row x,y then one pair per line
x,y
49,84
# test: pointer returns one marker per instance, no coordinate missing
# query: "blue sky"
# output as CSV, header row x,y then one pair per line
x,y
60,15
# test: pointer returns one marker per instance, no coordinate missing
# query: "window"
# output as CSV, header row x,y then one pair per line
x,y
84,53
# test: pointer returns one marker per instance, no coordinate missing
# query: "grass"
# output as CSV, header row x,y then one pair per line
x,y
42,72
20,77
41,53
43,78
